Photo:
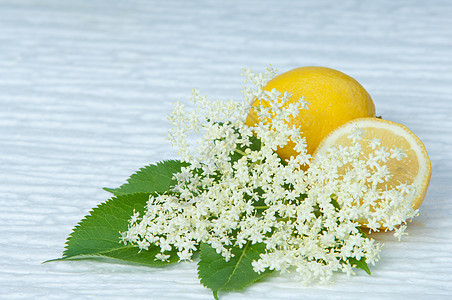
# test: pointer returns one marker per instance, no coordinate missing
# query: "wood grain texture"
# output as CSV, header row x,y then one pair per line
x,y
85,87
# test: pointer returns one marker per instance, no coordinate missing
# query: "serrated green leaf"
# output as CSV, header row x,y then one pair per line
x,y
360,264
156,178
98,234
236,274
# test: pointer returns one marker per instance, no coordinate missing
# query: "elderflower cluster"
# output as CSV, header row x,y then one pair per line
x,y
237,192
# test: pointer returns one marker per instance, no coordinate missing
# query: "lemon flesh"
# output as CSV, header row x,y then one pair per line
x,y
414,168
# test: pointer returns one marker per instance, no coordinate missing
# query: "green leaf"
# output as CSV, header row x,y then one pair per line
x,y
98,234
236,274
360,264
335,204
363,234
150,179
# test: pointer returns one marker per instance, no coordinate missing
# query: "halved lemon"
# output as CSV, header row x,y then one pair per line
x,y
415,166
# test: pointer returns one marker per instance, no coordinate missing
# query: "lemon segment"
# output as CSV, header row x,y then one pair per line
x,y
413,167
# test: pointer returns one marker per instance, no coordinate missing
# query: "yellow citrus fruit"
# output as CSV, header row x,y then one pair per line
x,y
415,166
334,98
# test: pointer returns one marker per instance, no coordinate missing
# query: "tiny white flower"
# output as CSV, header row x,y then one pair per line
x,y
135,217
381,154
258,266
375,143
303,103
162,257
400,231
398,153
356,135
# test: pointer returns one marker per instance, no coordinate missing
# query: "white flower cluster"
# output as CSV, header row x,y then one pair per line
x,y
237,191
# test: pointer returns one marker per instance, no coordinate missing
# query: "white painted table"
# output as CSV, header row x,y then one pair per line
x,y
85,87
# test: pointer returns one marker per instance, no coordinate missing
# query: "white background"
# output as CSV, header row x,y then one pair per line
x,y
85,87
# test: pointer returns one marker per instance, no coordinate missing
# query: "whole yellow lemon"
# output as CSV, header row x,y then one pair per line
x,y
333,97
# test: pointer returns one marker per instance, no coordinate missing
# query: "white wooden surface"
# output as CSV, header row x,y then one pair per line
x,y
85,87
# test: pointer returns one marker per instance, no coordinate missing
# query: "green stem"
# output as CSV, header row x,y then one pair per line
x,y
259,162
262,207
240,152
282,219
